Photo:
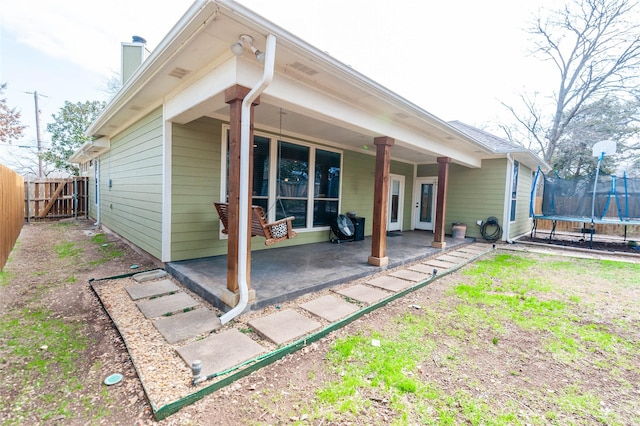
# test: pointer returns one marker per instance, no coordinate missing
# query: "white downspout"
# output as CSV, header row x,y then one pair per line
x,y
245,129
96,183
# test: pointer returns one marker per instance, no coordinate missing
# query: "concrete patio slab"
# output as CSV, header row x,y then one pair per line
x,y
282,273
283,326
330,308
182,326
222,351
410,275
363,293
149,275
156,288
166,305
390,283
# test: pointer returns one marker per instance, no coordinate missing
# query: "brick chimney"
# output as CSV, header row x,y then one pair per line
x,y
133,55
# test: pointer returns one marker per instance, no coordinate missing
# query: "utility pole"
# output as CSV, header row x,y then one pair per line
x,y
38,138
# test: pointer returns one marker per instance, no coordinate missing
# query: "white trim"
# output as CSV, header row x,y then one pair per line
x,y
167,144
413,196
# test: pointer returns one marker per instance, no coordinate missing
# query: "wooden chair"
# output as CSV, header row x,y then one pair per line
x,y
273,232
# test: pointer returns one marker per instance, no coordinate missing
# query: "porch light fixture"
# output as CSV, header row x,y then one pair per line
x,y
246,40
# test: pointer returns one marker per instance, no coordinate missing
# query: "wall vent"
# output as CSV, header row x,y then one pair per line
x,y
178,72
303,68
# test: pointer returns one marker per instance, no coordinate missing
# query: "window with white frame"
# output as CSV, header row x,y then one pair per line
x,y
294,179
514,190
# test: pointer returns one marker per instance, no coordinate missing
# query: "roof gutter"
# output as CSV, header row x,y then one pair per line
x,y
245,132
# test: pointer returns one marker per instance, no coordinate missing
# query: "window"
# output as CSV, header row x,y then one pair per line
x,y
261,159
326,187
514,190
293,182
292,179
96,181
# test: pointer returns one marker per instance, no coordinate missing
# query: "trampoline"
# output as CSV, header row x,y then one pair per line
x,y
591,200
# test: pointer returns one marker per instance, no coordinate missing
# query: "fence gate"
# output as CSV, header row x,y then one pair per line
x,y
56,198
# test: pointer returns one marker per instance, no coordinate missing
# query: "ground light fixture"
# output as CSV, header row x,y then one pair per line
x,y
246,41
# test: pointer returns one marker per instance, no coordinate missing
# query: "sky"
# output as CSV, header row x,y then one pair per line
x,y
457,59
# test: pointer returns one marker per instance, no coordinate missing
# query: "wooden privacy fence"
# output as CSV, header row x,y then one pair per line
x,y
56,198
11,211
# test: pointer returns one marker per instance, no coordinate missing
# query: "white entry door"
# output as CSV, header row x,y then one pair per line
x,y
425,203
396,200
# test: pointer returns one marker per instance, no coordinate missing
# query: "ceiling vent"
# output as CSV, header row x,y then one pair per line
x,y
303,68
178,72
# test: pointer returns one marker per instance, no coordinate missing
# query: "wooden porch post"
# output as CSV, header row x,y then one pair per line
x,y
234,97
441,202
381,201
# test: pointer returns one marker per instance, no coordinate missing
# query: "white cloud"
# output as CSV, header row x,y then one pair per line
x,y
454,58
88,32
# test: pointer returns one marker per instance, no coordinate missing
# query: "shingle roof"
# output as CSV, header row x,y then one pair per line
x,y
500,146
493,142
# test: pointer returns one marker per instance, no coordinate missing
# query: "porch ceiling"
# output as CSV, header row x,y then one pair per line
x,y
301,126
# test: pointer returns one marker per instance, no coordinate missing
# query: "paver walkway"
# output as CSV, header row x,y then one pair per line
x,y
189,325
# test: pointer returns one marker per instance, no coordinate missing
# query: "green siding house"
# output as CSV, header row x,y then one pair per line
x,y
160,155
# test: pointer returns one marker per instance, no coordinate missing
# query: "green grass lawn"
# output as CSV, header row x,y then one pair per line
x,y
516,339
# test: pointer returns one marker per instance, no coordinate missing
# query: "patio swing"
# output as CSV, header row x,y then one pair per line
x,y
273,232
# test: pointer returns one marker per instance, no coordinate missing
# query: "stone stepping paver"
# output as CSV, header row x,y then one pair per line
x,y
424,268
182,326
166,304
390,283
156,288
439,264
473,249
449,258
363,293
283,326
149,275
222,351
409,275
462,254
330,308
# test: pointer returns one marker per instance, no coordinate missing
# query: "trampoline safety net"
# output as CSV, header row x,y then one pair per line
x,y
615,197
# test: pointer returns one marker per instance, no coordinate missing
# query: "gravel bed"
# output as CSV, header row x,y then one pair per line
x,y
164,375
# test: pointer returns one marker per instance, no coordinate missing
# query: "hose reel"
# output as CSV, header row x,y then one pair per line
x,y
491,229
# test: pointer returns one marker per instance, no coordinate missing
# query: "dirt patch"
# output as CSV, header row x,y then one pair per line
x,y
281,393
598,244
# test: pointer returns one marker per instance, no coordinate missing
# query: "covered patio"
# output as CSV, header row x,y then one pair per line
x,y
281,274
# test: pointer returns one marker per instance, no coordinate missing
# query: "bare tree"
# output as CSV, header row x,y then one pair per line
x,y
594,46
606,118
26,164
112,85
